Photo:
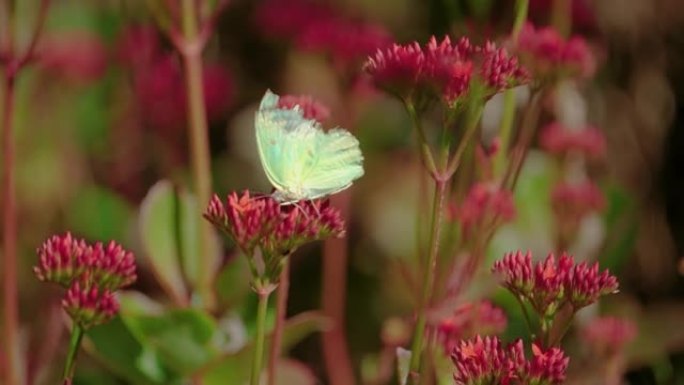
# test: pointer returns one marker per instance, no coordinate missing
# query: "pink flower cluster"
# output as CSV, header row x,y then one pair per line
x,y
468,320
315,27
443,69
311,108
571,202
487,361
609,335
158,81
260,221
548,55
485,205
91,273
548,285
559,140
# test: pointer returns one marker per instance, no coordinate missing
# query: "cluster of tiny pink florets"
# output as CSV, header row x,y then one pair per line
x,y
261,221
315,27
469,320
487,361
609,335
572,201
91,273
444,69
548,55
311,108
485,205
549,284
560,140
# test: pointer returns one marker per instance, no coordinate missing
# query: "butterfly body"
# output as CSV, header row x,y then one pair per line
x,y
301,160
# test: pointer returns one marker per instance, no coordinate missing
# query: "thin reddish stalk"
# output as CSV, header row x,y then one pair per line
x,y
335,350
9,235
281,314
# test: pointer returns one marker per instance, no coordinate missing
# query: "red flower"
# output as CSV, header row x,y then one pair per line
x,y
79,56
549,284
277,229
609,335
443,70
311,108
559,140
487,361
469,320
548,55
485,205
571,202
89,306
62,259
289,18
111,267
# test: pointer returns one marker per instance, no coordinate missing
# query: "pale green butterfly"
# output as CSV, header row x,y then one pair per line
x,y
300,159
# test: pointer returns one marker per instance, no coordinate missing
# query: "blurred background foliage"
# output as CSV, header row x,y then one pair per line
x,y
101,120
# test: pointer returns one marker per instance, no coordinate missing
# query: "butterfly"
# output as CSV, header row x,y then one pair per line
x,y
300,159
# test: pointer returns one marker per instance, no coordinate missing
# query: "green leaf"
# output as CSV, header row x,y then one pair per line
x,y
160,233
117,349
98,213
182,338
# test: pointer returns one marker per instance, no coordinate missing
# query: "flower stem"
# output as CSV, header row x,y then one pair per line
x,y
258,356
281,313
521,7
561,16
9,235
191,51
527,131
74,347
428,279
472,121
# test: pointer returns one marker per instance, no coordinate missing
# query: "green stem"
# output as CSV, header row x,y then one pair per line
x,y
281,313
428,279
472,121
521,7
424,147
74,346
505,130
191,51
258,357
526,314
527,132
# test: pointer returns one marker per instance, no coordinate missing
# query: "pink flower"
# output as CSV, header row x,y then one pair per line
x,y
485,205
260,221
469,320
487,361
138,45
482,361
548,285
609,335
289,18
571,202
559,140
78,56
89,306
62,259
548,55
444,70
346,41
311,108
546,366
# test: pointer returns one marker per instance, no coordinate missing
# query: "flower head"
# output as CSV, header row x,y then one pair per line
x,y
485,205
276,230
87,305
609,335
444,70
560,140
311,108
90,272
487,361
482,361
574,201
469,320
62,259
549,56
547,285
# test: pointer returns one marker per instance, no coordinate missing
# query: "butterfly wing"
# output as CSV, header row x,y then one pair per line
x,y
336,162
300,159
